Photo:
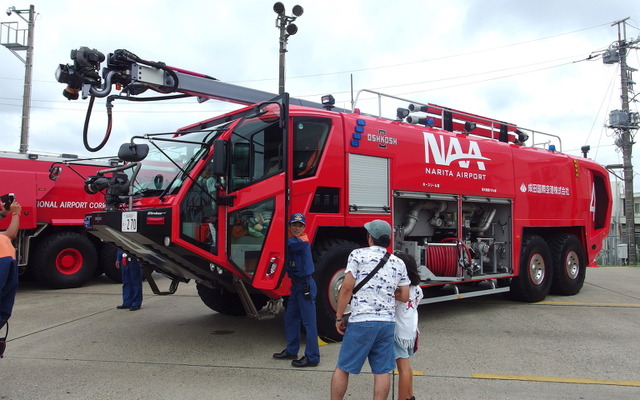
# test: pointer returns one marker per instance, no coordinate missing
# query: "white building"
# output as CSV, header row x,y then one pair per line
x,y
614,251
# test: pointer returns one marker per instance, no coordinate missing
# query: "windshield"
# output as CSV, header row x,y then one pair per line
x,y
160,170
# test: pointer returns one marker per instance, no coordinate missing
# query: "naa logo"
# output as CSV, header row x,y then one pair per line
x,y
446,153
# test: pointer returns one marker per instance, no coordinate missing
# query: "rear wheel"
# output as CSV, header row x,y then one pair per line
x,y
569,265
536,271
107,262
331,261
65,260
221,300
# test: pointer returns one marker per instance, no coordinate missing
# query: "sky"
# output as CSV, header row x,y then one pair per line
x,y
524,62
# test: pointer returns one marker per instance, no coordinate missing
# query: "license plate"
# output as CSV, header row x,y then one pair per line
x,y
130,221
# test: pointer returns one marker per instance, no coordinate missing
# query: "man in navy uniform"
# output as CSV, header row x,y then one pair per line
x,y
301,307
131,281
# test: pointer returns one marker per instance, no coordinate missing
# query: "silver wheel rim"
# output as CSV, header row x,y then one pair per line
x,y
572,265
536,269
334,290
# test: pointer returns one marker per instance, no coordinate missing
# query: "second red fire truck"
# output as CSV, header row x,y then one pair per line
x,y
481,212
52,246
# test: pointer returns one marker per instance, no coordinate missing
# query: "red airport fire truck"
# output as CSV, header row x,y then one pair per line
x,y
481,212
53,245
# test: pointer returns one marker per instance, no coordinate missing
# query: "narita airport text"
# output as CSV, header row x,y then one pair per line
x,y
449,173
70,204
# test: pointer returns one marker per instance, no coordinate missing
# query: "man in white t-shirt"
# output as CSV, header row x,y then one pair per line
x,y
370,333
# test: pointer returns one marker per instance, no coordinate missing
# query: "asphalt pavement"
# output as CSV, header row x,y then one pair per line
x,y
74,344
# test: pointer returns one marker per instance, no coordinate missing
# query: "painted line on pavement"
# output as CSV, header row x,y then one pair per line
x,y
415,372
575,303
557,379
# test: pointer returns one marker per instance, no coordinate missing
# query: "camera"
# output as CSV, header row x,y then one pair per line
x,y
7,199
86,64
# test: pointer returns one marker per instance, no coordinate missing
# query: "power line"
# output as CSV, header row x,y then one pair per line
x,y
402,64
604,98
431,59
459,77
455,85
413,84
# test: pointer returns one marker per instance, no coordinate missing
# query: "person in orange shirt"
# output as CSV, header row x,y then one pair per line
x,y
8,266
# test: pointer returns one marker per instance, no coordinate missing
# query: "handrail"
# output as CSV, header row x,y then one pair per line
x,y
491,128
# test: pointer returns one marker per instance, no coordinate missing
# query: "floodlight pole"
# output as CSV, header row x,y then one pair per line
x,y
283,50
284,24
28,62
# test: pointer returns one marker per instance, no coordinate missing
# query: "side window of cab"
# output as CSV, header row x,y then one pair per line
x,y
309,139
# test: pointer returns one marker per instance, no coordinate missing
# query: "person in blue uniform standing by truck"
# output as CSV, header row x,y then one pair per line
x,y
301,307
131,281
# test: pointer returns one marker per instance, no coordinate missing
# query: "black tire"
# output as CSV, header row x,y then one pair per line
x,y
330,261
536,271
65,260
569,265
107,262
221,300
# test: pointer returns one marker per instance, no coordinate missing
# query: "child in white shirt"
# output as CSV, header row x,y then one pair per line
x,y
406,333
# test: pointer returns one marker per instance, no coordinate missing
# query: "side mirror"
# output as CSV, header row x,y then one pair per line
x,y
268,112
220,157
132,152
54,172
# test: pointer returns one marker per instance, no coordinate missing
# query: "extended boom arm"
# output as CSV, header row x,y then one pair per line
x,y
133,76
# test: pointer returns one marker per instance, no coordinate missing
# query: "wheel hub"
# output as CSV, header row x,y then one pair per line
x,y
69,261
335,284
572,265
537,269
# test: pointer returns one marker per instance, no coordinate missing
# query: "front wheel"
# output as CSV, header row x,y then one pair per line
x,y
569,265
65,260
331,261
226,302
536,271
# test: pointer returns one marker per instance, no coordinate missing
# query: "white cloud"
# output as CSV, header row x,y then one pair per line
x,y
485,57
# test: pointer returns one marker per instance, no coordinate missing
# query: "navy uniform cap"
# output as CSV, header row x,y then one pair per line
x,y
297,217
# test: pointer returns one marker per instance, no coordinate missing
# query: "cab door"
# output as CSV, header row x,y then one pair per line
x,y
255,207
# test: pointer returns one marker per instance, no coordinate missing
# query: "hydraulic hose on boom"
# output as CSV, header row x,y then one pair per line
x,y
133,76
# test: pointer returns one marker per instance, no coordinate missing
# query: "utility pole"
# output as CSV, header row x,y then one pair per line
x,y
624,123
15,41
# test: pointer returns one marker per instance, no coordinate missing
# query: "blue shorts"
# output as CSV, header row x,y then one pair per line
x,y
402,351
369,339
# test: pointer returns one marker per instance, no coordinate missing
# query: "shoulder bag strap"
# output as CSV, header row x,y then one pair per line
x,y
382,262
